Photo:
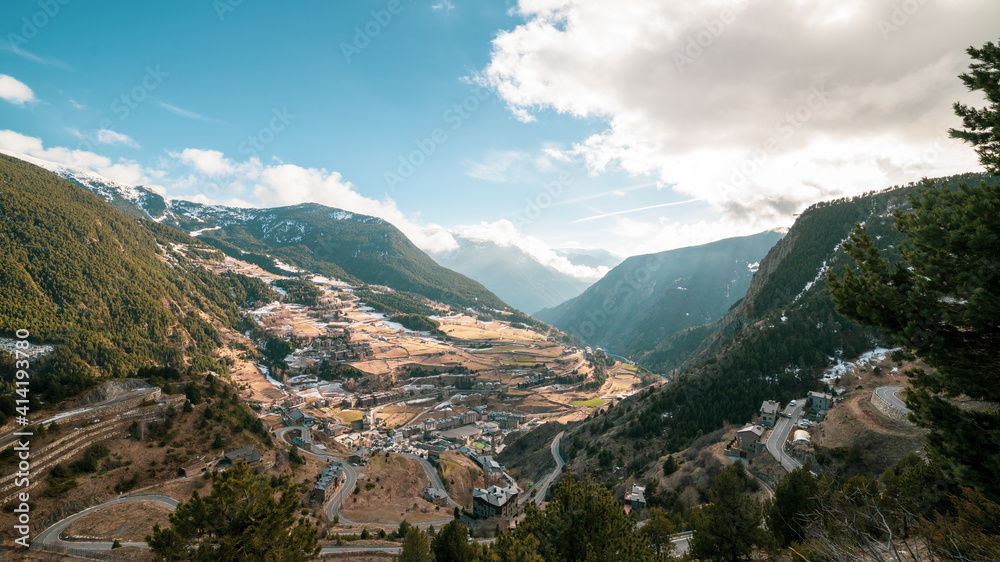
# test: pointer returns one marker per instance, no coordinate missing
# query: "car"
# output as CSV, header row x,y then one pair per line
x,y
792,403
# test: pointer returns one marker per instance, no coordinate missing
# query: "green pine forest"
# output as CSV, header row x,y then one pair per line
x,y
107,289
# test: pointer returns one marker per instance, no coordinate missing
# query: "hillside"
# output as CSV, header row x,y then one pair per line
x,y
513,275
775,343
323,240
113,293
647,298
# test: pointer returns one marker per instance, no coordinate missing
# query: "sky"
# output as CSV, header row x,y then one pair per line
x,y
634,126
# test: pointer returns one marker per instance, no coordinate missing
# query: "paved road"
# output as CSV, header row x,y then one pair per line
x,y
332,508
888,393
784,425
50,536
433,476
543,486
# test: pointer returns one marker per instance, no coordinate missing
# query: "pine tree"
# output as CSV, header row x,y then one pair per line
x,y
729,528
982,124
415,547
944,301
240,520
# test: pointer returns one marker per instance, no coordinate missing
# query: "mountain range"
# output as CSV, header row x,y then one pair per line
x,y
518,277
357,248
650,297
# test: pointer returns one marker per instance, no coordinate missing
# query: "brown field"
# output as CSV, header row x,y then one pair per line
x,y
126,522
461,475
398,414
398,485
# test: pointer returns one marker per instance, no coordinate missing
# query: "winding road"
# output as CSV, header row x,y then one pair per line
x,y
433,476
779,435
332,509
543,486
51,536
888,393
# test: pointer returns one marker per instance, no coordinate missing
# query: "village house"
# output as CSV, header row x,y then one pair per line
x,y
247,454
436,496
819,401
748,442
635,498
769,412
494,501
192,468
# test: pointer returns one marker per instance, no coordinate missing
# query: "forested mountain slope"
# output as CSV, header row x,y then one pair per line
x,y
323,240
647,298
113,293
776,341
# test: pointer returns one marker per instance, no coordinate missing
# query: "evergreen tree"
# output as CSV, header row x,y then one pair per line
x,y
794,499
943,302
451,544
240,520
415,547
729,528
582,522
982,124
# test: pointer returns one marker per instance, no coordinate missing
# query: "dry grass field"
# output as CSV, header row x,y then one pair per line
x,y
391,490
461,475
126,522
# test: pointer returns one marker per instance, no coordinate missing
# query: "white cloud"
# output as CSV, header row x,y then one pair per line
x,y
107,136
444,5
15,91
504,233
124,171
208,162
782,104
287,184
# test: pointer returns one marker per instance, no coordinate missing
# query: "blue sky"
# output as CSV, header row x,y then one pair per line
x,y
260,99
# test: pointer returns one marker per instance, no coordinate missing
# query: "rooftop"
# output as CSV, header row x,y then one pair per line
x,y
495,495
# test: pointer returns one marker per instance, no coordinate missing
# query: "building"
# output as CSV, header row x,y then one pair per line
x,y
635,498
297,417
330,479
748,442
800,437
820,401
434,453
494,501
436,496
359,456
247,454
769,412
192,468
490,467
